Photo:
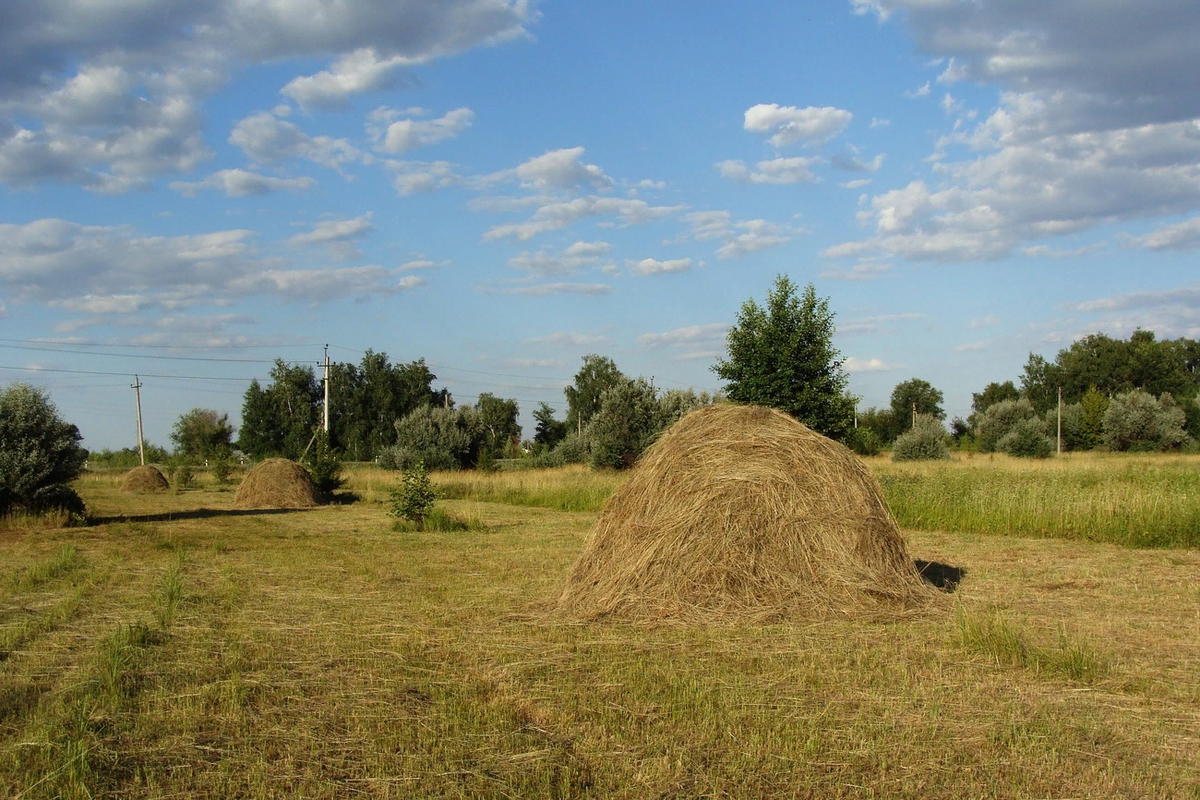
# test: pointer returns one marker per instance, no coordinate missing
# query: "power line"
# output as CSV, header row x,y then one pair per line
x,y
125,374
159,346
38,349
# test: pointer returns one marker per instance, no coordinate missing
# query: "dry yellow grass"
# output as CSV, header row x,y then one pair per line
x,y
319,654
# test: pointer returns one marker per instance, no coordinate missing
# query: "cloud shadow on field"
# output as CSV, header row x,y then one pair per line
x,y
942,576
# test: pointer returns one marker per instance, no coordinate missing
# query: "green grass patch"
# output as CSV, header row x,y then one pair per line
x,y
1002,642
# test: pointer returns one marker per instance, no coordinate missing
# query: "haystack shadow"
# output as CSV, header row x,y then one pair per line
x,y
199,513
939,575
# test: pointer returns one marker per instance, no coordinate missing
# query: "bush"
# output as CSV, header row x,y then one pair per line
x,y
927,440
1137,421
865,442
413,499
999,419
1026,439
441,438
39,453
629,419
325,466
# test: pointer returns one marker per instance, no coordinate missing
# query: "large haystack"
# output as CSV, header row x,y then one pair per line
x,y
276,483
743,513
146,478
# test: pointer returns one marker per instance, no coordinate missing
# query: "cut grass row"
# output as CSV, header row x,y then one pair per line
x,y
1135,501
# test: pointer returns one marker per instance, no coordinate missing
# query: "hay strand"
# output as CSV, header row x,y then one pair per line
x,y
276,483
742,513
146,478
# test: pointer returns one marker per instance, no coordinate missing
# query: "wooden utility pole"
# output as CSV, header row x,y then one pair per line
x,y
137,393
1059,420
326,390
914,413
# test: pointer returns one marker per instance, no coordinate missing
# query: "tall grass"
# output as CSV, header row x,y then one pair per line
x,y
1133,501
572,488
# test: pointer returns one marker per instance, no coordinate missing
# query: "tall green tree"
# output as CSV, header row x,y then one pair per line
x,y
202,433
597,375
499,420
367,399
992,393
782,355
281,419
919,394
39,453
549,431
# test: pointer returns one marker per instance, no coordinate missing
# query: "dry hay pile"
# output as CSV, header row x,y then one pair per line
x,y
744,514
146,478
276,483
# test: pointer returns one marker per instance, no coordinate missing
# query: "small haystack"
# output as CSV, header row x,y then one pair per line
x,y
743,513
276,483
146,478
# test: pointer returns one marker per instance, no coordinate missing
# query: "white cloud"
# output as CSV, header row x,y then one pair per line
x,y
567,339
556,216
690,337
985,321
109,93
651,266
875,324
855,365
315,285
1180,236
413,177
856,184
556,170
921,91
1170,313
403,135
789,124
591,289
850,161
338,235
738,238
240,183
775,171
862,271
354,73
971,347
266,139
545,263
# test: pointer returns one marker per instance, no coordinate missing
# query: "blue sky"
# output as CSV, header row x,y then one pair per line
x,y
192,189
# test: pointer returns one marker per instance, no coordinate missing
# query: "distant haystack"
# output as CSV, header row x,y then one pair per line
x,y
743,513
277,483
146,478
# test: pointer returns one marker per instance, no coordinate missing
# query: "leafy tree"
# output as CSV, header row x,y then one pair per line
x,y
1026,439
499,420
1039,383
281,419
550,431
918,394
993,393
367,399
414,497
128,457
1091,424
926,440
629,419
783,356
1136,420
1001,418
881,422
595,377
39,453
324,463
202,433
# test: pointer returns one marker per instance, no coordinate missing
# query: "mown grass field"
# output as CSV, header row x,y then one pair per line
x,y
180,648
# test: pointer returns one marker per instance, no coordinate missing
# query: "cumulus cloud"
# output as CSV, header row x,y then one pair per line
x,y
862,271
555,171
855,365
545,263
652,266
394,135
1180,236
590,289
412,177
1170,313
706,339
776,171
790,125
568,339
338,235
240,183
315,285
266,139
556,216
1093,128
875,324
739,238
108,93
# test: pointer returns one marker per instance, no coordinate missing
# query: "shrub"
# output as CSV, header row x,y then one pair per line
x,y
865,442
1026,439
1136,420
927,440
441,438
999,419
629,419
325,466
413,499
39,453
1091,424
